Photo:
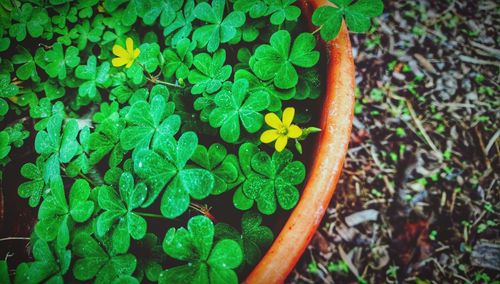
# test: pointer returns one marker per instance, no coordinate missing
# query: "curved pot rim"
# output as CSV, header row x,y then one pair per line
x,y
336,123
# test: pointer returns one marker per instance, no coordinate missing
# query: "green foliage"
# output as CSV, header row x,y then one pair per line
x,y
218,29
208,262
277,61
273,180
357,16
254,238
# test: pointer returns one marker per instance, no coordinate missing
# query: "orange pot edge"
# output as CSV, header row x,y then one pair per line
x,y
336,123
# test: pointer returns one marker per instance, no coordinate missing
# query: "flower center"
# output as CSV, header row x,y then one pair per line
x,y
283,130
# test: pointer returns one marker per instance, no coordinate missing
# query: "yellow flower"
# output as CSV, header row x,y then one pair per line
x,y
282,129
125,57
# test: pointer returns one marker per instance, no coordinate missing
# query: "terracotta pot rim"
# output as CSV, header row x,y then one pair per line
x,y
336,123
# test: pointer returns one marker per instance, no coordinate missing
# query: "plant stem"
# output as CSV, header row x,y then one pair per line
x,y
155,80
317,30
150,215
203,209
15,238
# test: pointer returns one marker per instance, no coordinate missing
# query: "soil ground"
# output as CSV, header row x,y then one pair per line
x,y
418,201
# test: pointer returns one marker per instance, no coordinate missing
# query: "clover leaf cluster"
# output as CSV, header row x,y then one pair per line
x,y
137,115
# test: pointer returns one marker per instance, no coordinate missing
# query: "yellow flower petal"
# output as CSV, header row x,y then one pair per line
x,y
281,143
273,120
119,61
129,43
136,53
129,63
288,115
294,131
119,51
269,136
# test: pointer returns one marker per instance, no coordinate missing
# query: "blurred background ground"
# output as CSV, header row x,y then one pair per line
x,y
418,201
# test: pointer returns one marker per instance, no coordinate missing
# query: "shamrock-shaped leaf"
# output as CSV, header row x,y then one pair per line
x,y
28,68
86,32
55,60
274,179
29,18
256,85
106,140
235,106
208,263
179,61
49,265
95,262
7,89
210,72
165,9
281,10
219,29
277,61
61,147
358,16
4,144
255,8
181,27
107,111
167,166
223,167
54,211
119,209
254,238
149,56
81,164
44,110
149,122
32,189
94,77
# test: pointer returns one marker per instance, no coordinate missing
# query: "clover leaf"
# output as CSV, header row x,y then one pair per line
x,y
7,89
277,61
43,111
358,16
179,61
223,167
149,123
255,85
165,166
107,111
55,60
85,32
93,76
274,179
29,19
164,9
245,153
95,262
181,27
255,8
235,106
281,10
254,238
54,212
218,29
81,164
32,189
49,265
207,263
27,69
210,72
106,140
4,144
59,148
149,56
119,210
